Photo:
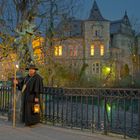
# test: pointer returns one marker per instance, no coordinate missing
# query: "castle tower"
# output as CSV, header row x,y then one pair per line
x,y
97,37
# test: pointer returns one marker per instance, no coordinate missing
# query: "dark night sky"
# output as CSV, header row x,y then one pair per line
x,y
112,9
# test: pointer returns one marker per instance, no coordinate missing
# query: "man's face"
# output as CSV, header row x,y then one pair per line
x,y
31,72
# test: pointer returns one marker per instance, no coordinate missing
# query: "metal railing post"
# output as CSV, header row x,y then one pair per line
x,y
139,118
105,116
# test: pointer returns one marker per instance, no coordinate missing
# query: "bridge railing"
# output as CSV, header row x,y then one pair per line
x,y
5,99
96,109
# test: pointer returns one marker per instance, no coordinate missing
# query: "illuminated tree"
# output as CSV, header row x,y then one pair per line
x,y
16,21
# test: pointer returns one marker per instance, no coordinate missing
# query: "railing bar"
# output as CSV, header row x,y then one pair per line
x,y
53,97
57,116
105,116
62,113
93,124
138,118
124,118
87,110
76,111
111,114
132,114
49,95
99,112
46,107
81,112
71,112
66,109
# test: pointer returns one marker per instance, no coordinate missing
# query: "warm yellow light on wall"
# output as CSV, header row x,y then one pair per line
x,y
101,50
37,51
58,51
37,42
92,50
37,54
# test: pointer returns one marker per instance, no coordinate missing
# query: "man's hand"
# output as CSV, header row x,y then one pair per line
x,y
15,81
36,100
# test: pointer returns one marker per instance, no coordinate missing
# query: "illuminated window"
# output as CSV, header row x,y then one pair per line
x,y
92,50
101,50
58,51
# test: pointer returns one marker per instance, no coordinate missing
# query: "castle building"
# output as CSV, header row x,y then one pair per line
x,y
98,42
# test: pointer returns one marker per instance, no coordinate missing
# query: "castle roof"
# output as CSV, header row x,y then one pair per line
x,y
95,13
116,26
124,20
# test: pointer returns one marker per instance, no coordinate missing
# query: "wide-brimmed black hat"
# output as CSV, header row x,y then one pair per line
x,y
31,66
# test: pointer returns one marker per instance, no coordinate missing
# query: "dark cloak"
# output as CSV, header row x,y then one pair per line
x,y
34,87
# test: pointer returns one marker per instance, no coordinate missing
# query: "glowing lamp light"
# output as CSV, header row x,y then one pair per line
x,y
108,69
108,108
17,66
36,108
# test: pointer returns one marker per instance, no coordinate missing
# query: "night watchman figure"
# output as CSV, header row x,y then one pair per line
x,y
31,86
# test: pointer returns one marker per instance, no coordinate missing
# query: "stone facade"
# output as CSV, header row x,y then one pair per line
x,y
96,33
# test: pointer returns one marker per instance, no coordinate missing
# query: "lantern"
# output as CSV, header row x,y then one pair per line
x,y
36,108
